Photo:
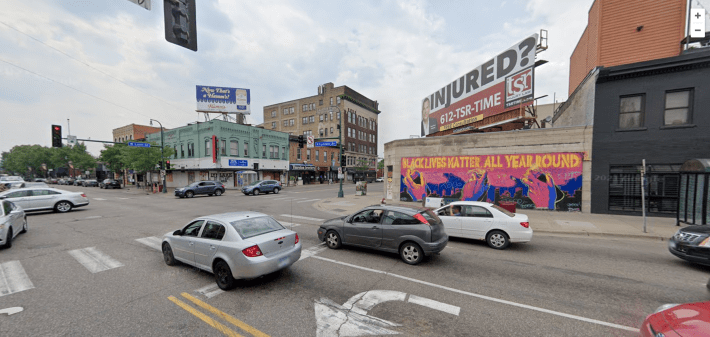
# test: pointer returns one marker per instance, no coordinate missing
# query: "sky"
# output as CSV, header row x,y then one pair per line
x,y
105,64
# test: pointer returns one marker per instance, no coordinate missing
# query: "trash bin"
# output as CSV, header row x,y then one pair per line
x,y
160,188
507,205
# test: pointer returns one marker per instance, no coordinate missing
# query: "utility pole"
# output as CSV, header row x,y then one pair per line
x,y
340,145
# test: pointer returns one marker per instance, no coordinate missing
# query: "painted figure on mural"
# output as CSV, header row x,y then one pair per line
x,y
476,186
416,186
541,188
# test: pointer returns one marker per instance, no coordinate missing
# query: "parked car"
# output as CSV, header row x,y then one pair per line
x,y
671,320
692,244
240,245
90,183
412,232
11,179
12,222
34,199
200,187
52,180
485,221
32,185
379,179
40,180
79,182
262,186
68,181
110,183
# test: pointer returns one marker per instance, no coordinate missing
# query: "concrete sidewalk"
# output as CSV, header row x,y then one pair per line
x,y
657,228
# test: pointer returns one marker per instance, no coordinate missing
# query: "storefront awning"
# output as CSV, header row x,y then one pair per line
x,y
302,167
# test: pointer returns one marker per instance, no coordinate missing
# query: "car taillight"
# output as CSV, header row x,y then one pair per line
x,y
296,239
525,224
252,251
83,195
421,219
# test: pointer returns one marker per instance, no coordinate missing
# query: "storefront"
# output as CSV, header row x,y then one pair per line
x,y
301,173
694,196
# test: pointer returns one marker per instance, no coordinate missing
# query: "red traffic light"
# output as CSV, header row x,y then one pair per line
x,y
56,128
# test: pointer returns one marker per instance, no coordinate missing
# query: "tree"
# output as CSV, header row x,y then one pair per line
x,y
71,156
142,159
26,160
113,156
381,164
362,165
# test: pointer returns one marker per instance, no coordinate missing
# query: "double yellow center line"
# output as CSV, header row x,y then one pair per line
x,y
212,322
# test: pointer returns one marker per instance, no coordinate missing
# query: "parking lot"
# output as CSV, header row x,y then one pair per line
x,y
98,270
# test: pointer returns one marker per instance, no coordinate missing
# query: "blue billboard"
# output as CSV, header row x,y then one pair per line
x,y
223,99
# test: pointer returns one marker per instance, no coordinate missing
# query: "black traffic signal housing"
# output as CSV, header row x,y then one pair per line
x,y
160,165
343,160
301,141
56,136
167,164
180,23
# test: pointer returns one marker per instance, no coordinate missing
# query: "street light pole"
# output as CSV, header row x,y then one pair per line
x,y
340,146
162,157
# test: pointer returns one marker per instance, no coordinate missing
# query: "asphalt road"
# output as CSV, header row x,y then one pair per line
x,y
553,286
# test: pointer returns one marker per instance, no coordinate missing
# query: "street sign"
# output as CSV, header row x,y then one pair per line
x,y
322,144
71,140
238,162
138,144
162,173
340,170
311,140
143,3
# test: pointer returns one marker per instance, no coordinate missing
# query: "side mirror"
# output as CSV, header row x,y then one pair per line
x,y
178,232
3,197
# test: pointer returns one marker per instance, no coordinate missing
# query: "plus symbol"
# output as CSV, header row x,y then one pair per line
x,y
697,15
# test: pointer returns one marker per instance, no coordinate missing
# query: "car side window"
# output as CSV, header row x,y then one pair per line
x,y
476,212
192,229
7,207
213,230
40,192
362,216
397,218
18,194
209,184
446,211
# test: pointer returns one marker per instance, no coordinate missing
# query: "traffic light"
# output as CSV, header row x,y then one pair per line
x,y
343,160
160,165
180,23
301,141
56,136
167,164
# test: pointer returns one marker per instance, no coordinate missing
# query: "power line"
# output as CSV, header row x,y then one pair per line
x,y
88,65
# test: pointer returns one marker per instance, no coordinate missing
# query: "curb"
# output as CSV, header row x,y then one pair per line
x,y
601,234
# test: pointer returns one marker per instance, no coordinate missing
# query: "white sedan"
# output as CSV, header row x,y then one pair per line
x,y
12,222
34,199
239,245
485,221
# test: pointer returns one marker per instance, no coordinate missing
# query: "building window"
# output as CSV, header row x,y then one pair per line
x,y
234,148
320,102
338,100
677,107
246,149
326,132
290,122
273,125
332,157
320,132
298,154
631,112
321,118
286,111
291,109
283,151
285,122
263,151
182,151
191,150
331,101
308,154
325,156
208,147
317,155
303,107
273,113
313,106
305,120
663,188
223,147
338,115
312,119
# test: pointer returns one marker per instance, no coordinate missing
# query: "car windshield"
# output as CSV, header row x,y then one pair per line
x,y
256,183
503,210
252,227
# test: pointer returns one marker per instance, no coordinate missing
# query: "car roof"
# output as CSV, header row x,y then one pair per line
x,y
233,216
35,188
399,208
472,203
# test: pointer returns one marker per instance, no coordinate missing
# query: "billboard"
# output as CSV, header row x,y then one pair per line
x,y
500,84
533,181
222,99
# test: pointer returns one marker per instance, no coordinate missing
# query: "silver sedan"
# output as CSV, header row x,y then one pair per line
x,y
12,222
34,199
239,245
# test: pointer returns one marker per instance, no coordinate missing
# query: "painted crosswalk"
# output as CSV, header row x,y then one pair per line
x,y
307,200
94,260
289,224
306,253
210,291
152,242
100,199
13,278
301,217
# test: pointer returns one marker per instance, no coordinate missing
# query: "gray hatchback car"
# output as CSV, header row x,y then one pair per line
x,y
411,232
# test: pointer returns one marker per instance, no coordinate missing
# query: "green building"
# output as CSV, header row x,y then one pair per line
x,y
243,153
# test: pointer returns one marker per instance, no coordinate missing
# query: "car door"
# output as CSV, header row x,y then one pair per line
x,y
21,198
475,221
361,231
183,245
208,244
9,218
452,224
43,199
397,225
16,218
268,186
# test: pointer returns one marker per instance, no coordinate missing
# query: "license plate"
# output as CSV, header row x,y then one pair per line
x,y
283,261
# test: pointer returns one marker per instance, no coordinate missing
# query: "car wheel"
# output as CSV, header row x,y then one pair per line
x,y
189,194
223,276
8,239
276,190
63,207
218,192
24,226
332,240
497,240
168,255
411,253
255,191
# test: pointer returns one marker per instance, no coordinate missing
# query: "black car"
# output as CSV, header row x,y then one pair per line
x,y
90,183
200,187
412,232
110,183
692,244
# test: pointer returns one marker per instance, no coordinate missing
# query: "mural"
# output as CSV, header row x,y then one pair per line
x,y
544,180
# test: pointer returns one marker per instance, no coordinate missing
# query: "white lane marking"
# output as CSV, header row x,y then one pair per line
x,y
307,200
11,311
289,224
488,298
124,198
282,198
447,308
364,301
210,291
152,242
101,199
13,278
94,260
306,253
300,217
93,217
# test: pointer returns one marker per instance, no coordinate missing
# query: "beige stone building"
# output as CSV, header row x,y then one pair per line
x,y
312,116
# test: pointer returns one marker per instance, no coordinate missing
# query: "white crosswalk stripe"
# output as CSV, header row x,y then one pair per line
x,y
94,260
300,217
100,199
210,291
13,278
306,253
307,200
152,242
289,224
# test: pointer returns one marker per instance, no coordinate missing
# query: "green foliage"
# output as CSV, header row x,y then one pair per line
x,y
113,157
381,164
27,160
142,159
362,165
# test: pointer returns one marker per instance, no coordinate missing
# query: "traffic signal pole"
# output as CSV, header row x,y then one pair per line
x,y
340,144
